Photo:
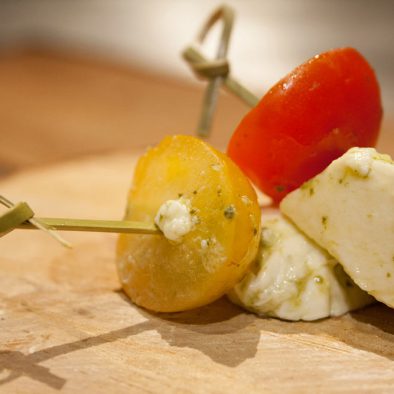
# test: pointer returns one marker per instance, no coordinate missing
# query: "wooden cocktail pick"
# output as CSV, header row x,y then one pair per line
x,y
216,71
21,216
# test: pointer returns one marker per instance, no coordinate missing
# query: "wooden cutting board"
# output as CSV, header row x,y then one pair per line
x,y
66,326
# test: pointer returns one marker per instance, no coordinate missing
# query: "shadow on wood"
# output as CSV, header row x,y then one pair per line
x,y
375,321
214,330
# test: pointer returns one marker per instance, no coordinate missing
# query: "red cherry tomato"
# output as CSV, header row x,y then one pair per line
x,y
309,118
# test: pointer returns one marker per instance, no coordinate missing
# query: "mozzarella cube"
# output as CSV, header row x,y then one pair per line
x,y
294,279
348,210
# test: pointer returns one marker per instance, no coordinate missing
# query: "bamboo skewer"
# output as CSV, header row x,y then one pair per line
x,y
203,67
217,71
105,226
21,216
211,95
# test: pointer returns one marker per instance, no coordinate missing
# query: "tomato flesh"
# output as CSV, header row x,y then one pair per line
x,y
309,118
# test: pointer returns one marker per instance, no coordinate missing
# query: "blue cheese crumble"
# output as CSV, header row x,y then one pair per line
x,y
174,219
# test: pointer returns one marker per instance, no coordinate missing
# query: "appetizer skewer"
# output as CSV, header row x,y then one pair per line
x,y
192,226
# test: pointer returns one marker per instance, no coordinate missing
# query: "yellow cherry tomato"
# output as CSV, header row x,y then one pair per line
x,y
166,275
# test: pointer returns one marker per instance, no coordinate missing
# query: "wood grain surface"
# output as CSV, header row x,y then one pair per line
x,y
65,325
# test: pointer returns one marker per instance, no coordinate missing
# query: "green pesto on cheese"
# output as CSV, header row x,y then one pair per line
x,y
294,279
351,215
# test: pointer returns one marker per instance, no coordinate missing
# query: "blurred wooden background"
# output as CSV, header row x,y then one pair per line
x,y
55,106
59,105
86,77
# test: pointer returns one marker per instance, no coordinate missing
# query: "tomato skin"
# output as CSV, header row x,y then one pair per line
x,y
309,118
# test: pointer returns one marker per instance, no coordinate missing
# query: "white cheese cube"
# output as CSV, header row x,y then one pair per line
x,y
348,209
294,279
